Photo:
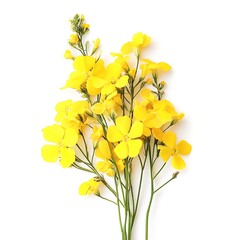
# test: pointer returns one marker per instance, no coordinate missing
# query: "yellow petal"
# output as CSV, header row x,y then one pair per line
x,y
148,95
184,147
53,133
122,82
112,95
120,164
123,124
99,82
68,54
152,120
146,41
93,186
140,112
114,134
99,68
113,71
91,89
126,48
169,138
164,117
79,107
157,133
164,66
60,116
134,147
137,39
70,137
67,157
165,153
62,106
110,172
84,188
83,63
73,39
177,162
98,108
102,166
75,80
136,130
108,89
141,40
103,147
50,153
121,150
97,133
146,131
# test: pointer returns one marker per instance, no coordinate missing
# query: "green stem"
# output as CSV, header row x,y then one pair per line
x,y
85,144
126,198
173,177
119,209
81,168
109,200
151,196
159,170
132,89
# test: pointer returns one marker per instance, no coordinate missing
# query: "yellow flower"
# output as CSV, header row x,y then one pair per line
x,y
121,59
68,54
166,111
126,134
127,48
157,133
97,133
74,123
139,41
149,97
70,110
85,26
149,81
104,106
155,68
149,111
64,138
104,152
112,79
73,39
106,167
89,187
87,71
96,44
170,148
108,105
149,119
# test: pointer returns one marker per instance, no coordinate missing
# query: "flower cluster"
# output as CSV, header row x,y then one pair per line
x,y
120,118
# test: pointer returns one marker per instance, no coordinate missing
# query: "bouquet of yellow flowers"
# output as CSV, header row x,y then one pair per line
x,y
121,118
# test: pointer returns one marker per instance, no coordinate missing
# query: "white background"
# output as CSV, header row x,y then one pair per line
x,y
200,39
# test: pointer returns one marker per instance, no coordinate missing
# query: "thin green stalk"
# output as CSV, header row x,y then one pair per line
x,y
132,89
85,144
77,49
82,151
151,196
81,168
109,200
139,189
173,177
159,170
119,209
126,210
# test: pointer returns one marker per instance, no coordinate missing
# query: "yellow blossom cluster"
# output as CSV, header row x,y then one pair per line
x,y
120,116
